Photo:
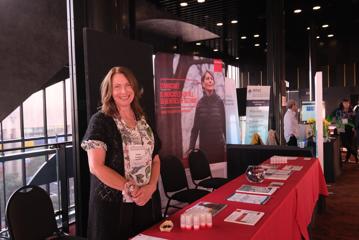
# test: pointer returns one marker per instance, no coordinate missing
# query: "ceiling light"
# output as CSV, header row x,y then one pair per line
x,y
330,35
237,58
316,7
308,28
215,50
183,4
298,10
201,1
256,35
198,43
317,37
234,21
325,25
257,45
219,24
244,37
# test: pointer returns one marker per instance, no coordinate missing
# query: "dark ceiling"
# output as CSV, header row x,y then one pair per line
x,y
341,16
249,14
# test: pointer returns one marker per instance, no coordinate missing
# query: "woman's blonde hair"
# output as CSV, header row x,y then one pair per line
x,y
108,104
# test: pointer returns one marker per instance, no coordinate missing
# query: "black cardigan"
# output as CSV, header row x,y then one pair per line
x,y
103,128
209,121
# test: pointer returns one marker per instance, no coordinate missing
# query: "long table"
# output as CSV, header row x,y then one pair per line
x,y
239,156
287,213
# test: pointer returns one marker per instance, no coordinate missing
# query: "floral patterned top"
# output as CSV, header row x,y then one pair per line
x,y
140,135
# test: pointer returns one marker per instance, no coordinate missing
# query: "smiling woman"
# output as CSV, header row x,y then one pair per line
x,y
122,91
122,151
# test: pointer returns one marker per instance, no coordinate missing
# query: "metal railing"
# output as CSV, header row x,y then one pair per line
x,y
56,138
58,158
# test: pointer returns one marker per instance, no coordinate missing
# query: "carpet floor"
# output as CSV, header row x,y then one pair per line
x,y
340,220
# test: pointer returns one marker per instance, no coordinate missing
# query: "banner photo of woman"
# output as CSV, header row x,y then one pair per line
x,y
190,112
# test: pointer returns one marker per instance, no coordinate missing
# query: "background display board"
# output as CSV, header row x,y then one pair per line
x,y
257,112
187,116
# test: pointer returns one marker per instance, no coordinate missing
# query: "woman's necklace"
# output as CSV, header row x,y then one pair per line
x,y
129,118
130,121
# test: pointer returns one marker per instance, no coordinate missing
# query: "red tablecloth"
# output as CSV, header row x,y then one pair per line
x,y
287,213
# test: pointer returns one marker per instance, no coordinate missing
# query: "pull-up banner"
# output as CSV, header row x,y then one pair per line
x,y
190,113
232,116
257,112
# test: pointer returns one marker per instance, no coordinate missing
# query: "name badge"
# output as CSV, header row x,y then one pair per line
x,y
138,155
345,120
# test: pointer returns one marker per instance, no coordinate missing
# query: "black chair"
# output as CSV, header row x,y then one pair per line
x,y
175,183
30,215
200,171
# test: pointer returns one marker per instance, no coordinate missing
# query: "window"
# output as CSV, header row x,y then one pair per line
x,y
34,118
31,116
233,73
68,107
11,130
55,112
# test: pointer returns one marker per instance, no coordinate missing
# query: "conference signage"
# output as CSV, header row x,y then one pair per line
x,y
190,112
257,112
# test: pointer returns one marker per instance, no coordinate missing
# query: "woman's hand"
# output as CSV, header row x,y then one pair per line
x,y
143,194
130,188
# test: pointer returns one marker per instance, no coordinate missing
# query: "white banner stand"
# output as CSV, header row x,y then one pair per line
x,y
319,116
231,108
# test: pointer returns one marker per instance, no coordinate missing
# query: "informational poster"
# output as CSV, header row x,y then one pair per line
x,y
232,118
257,112
190,112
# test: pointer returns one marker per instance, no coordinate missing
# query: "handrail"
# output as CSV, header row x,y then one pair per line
x,y
16,156
36,153
34,138
36,146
